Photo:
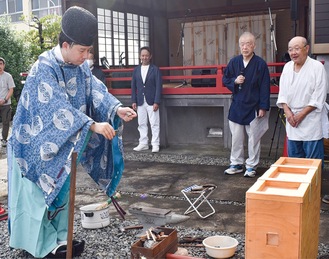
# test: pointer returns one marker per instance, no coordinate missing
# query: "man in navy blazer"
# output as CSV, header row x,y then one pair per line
x,y
146,91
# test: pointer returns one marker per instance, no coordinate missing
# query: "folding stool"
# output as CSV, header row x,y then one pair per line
x,y
201,194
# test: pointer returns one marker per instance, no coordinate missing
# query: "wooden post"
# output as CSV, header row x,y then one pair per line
x,y
71,206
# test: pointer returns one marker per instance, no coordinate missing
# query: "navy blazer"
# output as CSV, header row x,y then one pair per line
x,y
152,89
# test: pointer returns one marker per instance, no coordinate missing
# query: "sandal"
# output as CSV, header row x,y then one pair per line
x,y
60,252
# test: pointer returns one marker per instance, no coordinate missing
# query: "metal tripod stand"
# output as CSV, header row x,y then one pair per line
x,y
280,116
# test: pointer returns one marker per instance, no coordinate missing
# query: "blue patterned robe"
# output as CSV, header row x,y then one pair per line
x,y
58,104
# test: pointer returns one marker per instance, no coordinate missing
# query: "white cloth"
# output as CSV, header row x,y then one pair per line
x,y
260,126
308,87
146,112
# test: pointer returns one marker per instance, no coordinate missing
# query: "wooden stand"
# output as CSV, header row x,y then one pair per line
x,y
71,205
283,211
295,162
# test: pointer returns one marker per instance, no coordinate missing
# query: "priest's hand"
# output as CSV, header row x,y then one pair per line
x,y
126,113
103,128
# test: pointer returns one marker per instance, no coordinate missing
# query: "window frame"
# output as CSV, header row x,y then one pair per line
x,y
49,8
121,35
15,14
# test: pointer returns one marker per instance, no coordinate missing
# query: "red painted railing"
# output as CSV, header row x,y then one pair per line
x,y
174,79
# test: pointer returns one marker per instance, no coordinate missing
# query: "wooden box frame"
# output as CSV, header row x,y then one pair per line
x,y
283,211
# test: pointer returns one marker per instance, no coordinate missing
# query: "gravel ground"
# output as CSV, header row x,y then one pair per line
x,y
111,242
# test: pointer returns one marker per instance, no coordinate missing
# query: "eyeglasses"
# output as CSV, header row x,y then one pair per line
x,y
296,49
246,44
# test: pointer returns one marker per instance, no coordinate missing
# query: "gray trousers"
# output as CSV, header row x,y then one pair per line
x,y
237,151
5,113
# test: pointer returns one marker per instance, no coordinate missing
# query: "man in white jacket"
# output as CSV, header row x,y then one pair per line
x,y
302,96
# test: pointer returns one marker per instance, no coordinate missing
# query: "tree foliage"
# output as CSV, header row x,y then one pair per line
x,y
50,29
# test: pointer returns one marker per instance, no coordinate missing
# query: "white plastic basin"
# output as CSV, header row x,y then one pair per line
x,y
220,246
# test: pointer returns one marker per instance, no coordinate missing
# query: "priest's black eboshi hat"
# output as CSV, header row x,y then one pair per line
x,y
79,25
